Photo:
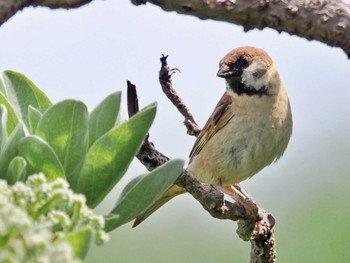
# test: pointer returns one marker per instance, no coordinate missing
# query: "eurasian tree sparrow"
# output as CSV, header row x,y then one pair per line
x,y
249,129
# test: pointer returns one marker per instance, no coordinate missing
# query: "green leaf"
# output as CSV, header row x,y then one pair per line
x,y
80,242
104,116
130,185
109,157
64,126
34,115
21,92
12,119
140,194
3,124
10,150
40,157
17,170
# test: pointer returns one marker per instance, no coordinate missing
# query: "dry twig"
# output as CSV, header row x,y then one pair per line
x,y
167,87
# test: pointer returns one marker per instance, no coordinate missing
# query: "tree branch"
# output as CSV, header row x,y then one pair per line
x,y
327,21
61,3
258,227
9,8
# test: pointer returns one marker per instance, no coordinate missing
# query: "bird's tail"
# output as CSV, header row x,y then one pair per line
x,y
169,194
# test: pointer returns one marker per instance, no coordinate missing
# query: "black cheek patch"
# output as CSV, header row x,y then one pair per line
x,y
259,72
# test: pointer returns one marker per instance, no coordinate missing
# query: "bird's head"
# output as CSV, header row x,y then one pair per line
x,y
249,71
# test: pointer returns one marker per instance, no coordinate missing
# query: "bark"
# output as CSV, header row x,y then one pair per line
x,y
327,21
60,3
9,8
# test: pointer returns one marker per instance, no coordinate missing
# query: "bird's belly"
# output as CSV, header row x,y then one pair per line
x,y
233,155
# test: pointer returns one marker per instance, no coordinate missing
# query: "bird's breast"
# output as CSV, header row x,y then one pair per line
x,y
243,147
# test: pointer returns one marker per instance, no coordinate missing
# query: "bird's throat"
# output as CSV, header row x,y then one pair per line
x,y
236,84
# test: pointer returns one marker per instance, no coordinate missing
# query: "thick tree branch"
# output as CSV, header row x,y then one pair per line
x,y
327,21
258,227
9,8
61,3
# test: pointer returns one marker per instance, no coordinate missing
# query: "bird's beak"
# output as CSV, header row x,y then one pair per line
x,y
226,71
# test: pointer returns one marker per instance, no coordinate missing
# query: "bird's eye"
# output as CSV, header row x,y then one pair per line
x,y
243,61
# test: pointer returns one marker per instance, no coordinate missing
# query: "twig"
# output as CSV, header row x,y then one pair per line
x,y
257,228
167,87
133,101
149,156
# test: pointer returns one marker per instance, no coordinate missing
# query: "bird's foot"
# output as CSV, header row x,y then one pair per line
x,y
242,197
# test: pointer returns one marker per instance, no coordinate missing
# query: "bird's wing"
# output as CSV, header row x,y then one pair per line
x,y
222,113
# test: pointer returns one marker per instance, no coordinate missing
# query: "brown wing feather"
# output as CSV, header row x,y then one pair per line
x,y
221,115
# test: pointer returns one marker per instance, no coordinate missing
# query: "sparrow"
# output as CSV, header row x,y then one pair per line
x,y
248,130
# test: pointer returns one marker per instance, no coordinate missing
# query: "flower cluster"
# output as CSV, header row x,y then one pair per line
x,y
38,219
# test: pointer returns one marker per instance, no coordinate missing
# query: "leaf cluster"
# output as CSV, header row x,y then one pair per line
x,y
89,149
